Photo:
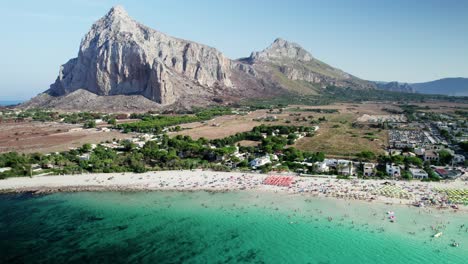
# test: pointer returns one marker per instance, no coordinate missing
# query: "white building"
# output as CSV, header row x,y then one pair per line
x,y
321,166
431,155
274,157
419,151
260,161
346,170
393,170
4,169
84,156
418,173
335,162
368,169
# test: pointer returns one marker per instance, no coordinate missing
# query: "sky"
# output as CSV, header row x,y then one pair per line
x,y
383,40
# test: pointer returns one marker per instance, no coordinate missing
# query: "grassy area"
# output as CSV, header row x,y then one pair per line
x,y
337,137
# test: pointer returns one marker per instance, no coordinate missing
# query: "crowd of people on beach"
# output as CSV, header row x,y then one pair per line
x,y
418,193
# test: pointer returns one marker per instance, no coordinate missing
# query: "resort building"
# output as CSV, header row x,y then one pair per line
x,y
346,170
369,169
418,173
431,155
419,151
447,173
321,166
392,170
260,161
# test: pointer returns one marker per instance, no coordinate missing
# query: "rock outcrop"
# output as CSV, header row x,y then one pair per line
x,y
120,58
297,64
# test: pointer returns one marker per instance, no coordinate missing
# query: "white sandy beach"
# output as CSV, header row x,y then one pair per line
x,y
370,190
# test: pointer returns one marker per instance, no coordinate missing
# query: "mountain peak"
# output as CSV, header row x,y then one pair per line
x,y
282,49
117,11
116,20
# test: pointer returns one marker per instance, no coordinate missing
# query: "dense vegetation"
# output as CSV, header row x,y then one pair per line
x,y
180,152
156,123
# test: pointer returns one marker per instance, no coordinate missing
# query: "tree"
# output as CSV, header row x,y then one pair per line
x,y
464,145
445,134
85,148
112,121
366,155
406,175
90,124
414,161
445,157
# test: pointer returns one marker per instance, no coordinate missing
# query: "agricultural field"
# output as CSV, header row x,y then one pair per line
x,y
337,136
222,126
45,137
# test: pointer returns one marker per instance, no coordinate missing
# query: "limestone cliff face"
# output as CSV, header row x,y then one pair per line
x,y
119,56
121,61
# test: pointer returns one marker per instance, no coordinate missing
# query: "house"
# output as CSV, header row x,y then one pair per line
x,y
447,173
36,167
4,169
335,162
394,152
346,169
84,156
122,116
392,170
240,156
331,162
431,155
274,157
418,173
343,167
260,161
321,166
419,151
368,169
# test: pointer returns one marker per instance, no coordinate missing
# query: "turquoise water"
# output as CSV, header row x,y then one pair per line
x,y
10,102
237,227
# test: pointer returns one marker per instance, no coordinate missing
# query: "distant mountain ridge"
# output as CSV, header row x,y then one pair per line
x,y
446,86
124,62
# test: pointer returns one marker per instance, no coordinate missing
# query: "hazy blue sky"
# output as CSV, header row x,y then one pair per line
x,y
404,40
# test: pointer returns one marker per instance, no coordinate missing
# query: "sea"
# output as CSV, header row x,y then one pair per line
x,y
232,227
10,102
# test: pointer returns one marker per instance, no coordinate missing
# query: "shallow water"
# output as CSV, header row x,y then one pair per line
x,y
200,227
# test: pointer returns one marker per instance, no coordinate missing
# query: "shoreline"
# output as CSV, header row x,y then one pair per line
x,y
212,181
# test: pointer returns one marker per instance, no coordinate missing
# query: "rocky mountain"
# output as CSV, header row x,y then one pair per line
x,y
120,60
298,70
395,87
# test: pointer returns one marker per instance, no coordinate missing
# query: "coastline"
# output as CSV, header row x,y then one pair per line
x,y
212,181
